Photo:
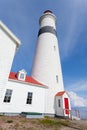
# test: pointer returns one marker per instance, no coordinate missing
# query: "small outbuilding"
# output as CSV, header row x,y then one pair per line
x,y
63,107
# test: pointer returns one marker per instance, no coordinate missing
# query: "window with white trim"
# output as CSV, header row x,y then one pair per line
x,y
8,95
22,75
29,98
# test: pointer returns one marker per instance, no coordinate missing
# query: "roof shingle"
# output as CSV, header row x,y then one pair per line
x,y
28,79
60,93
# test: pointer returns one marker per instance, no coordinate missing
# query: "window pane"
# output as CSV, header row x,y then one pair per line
x,y
57,78
22,76
59,103
54,48
29,98
8,95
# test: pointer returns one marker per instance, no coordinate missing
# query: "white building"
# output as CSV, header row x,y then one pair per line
x,y
43,92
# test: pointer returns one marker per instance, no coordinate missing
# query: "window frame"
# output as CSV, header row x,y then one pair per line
x,y
22,76
57,79
54,48
59,103
29,98
8,95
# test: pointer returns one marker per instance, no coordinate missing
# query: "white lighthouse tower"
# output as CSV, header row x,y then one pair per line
x,y
46,67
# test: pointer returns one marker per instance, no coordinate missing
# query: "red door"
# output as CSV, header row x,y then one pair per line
x,y
66,102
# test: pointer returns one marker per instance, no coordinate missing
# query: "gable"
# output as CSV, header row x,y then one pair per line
x,y
23,71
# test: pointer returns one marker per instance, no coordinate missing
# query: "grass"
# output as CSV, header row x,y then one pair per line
x,y
23,120
16,125
1,128
29,128
9,121
84,127
47,123
53,122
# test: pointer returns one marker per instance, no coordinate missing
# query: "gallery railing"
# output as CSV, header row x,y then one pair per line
x,y
73,114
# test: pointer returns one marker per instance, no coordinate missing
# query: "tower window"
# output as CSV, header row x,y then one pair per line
x,y
59,103
57,78
8,95
29,98
54,48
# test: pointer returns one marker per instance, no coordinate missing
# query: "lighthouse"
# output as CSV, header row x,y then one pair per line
x,y
42,93
46,66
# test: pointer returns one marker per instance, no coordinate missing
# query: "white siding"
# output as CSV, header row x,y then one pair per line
x,y
48,21
7,51
19,97
60,111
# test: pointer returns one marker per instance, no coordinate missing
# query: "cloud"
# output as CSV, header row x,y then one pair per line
x,y
77,92
78,86
77,101
75,27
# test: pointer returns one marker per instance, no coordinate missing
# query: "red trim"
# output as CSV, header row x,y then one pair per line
x,y
60,93
28,79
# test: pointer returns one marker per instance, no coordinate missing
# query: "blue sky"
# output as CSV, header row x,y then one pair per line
x,y
21,17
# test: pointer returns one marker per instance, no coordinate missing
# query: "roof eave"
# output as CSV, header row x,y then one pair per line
x,y
20,81
10,34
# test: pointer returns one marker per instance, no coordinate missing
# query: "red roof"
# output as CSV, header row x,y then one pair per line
x,y
60,93
28,79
